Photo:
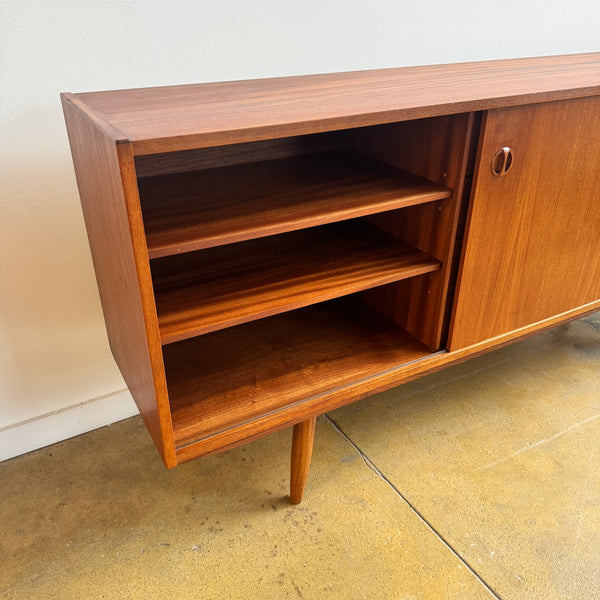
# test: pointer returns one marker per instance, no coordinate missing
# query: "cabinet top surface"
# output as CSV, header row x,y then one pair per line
x,y
166,119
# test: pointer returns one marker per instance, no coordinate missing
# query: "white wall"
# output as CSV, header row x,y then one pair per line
x,y
53,348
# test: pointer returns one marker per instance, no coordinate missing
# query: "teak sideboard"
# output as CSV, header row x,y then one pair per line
x,y
269,250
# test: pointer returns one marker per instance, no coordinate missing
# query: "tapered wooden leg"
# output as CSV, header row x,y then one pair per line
x,y
302,446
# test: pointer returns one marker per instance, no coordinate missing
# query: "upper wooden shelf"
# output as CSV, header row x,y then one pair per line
x,y
182,117
191,211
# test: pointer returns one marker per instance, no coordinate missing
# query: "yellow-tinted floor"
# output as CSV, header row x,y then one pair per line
x,y
480,481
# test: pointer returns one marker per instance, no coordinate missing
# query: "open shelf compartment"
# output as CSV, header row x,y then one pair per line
x,y
189,211
227,378
204,291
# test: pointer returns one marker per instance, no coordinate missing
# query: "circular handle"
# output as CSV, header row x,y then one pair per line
x,y
502,161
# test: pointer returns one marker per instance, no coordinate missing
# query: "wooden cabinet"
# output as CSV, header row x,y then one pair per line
x,y
269,250
533,238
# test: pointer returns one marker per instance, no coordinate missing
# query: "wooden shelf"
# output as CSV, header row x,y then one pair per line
x,y
223,379
189,211
200,292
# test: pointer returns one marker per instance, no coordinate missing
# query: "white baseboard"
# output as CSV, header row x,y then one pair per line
x,y
60,425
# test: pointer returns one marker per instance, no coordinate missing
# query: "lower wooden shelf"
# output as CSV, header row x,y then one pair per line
x,y
230,377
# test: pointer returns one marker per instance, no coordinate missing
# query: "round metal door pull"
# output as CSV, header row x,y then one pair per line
x,y
502,161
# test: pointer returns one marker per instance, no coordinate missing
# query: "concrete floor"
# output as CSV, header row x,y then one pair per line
x,y
479,482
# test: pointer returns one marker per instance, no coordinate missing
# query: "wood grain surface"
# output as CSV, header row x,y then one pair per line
x,y
403,372
108,191
182,117
196,159
211,289
224,379
207,208
532,247
435,149
302,447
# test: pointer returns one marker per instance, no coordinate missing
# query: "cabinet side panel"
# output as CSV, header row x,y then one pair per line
x,y
106,181
532,246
